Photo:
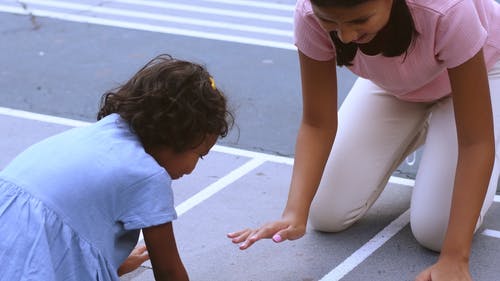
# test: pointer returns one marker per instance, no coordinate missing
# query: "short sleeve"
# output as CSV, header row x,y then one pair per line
x,y
460,34
147,203
310,38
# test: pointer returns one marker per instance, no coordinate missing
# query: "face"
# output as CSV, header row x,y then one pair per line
x,y
178,164
358,24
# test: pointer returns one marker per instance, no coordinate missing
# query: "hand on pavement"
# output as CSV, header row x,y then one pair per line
x,y
279,231
138,256
446,269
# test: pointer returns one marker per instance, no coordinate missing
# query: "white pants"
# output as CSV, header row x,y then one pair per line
x,y
376,132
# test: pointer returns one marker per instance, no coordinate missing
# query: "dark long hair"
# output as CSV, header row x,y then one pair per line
x,y
400,30
171,103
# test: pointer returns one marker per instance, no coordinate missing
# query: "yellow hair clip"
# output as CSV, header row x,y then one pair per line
x,y
212,83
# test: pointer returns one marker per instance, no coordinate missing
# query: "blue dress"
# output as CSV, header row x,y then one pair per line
x,y
71,206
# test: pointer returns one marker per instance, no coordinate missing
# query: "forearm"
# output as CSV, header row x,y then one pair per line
x,y
312,150
472,177
175,274
476,150
165,260
169,268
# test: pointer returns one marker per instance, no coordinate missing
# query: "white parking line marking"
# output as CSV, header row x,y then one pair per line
x,y
253,154
401,181
218,186
152,28
76,123
378,240
218,148
491,233
215,11
258,159
257,4
367,249
213,188
42,117
280,38
164,18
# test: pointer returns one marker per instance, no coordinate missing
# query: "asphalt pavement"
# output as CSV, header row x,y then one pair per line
x,y
58,57
234,188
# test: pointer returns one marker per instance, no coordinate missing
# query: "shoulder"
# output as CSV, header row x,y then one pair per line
x,y
432,6
116,150
303,7
454,29
304,14
440,18
309,37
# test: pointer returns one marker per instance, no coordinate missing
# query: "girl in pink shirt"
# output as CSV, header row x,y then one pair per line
x,y
429,73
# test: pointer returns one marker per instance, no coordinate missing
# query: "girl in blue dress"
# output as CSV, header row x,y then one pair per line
x,y
72,205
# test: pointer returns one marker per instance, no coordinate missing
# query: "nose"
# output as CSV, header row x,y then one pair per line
x,y
347,35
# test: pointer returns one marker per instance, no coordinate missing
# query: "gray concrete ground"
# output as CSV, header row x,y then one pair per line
x,y
60,68
235,188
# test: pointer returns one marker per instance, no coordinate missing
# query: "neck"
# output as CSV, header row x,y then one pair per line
x,y
377,45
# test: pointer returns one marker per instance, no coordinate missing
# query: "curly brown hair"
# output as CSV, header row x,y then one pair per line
x,y
170,102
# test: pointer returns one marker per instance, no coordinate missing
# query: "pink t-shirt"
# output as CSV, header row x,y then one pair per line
x,y
449,33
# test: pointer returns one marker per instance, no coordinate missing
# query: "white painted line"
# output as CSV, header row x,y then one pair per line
x,y
165,18
491,233
257,4
402,181
42,117
152,28
366,250
497,198
218,148
75,123
14,10
253,154
215,187
218,185
213,11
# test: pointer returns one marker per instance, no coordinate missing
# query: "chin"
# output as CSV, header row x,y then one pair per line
x,y
174,177
365,39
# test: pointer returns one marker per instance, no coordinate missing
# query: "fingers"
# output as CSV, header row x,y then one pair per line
x,y
137,257
278,237
144,258
140,253
248,237
281,235
253,237
239,236
424,275
139,250
290,233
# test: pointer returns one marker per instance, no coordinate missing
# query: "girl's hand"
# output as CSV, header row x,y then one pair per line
x,y
134,260
278,231
446,269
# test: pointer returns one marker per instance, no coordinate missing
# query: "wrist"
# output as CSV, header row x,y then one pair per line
x,y
297,216
454,255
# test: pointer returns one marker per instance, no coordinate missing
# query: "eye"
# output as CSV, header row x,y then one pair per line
x,y
360,21
326,21
329,22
